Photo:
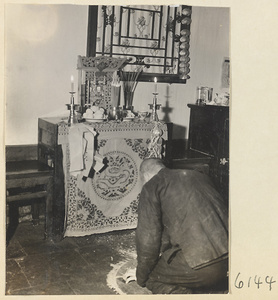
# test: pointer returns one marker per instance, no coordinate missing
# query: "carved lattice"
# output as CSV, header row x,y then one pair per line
x,y
95,77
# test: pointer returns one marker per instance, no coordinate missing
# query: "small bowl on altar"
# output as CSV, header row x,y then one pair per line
x,y
142,115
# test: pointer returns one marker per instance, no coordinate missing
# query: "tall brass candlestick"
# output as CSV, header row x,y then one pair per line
x,y
72,107
154,107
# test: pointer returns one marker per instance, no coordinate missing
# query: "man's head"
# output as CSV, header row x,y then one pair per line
x,y
150,167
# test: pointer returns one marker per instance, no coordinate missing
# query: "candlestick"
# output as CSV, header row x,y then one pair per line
x,y
72,107
72,83
71,98
154,107
155,86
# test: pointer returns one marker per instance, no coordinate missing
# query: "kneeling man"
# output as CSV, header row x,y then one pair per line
x,y
182,232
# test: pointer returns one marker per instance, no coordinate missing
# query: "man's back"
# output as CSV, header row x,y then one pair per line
x,y
193,215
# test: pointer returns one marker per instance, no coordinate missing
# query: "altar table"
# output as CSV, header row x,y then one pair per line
x,y
98,201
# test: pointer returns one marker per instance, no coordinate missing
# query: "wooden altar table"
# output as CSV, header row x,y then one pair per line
x,y
106,200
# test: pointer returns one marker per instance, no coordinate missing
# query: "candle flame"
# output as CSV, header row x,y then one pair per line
x,y
72,78
155,79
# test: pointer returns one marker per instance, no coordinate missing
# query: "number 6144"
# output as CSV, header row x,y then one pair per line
x,y
255,281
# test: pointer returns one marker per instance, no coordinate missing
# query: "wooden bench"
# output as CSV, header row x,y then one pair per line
x,y
192,160
28,181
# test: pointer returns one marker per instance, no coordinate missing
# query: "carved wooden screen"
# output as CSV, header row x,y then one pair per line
x,y
154,36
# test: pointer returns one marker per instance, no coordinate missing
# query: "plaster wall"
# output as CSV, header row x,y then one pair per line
x,y
42,43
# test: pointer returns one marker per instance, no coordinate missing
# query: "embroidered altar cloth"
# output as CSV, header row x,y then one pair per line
x,y
107,199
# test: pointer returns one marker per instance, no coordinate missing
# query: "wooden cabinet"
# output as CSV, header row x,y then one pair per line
x,y
209,135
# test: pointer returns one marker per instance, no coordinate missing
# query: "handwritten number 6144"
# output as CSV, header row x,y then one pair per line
x,y
239,284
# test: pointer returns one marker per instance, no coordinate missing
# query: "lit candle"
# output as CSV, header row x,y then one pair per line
x,y
72,83
155,86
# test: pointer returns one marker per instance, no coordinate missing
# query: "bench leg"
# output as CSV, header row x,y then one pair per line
x,y
35,213
13,221
49,210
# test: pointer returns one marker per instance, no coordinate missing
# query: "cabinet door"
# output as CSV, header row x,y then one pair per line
x,y
223,160
209,134
206,129
224,145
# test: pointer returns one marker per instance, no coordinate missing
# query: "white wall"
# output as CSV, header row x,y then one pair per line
x,y
42,45
209,45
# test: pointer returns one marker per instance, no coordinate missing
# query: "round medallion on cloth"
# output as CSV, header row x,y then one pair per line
x,y
118,178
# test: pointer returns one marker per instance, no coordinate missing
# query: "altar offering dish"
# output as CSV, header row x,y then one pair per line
x,y
95,120
94,113
128,119
142,115
128,115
